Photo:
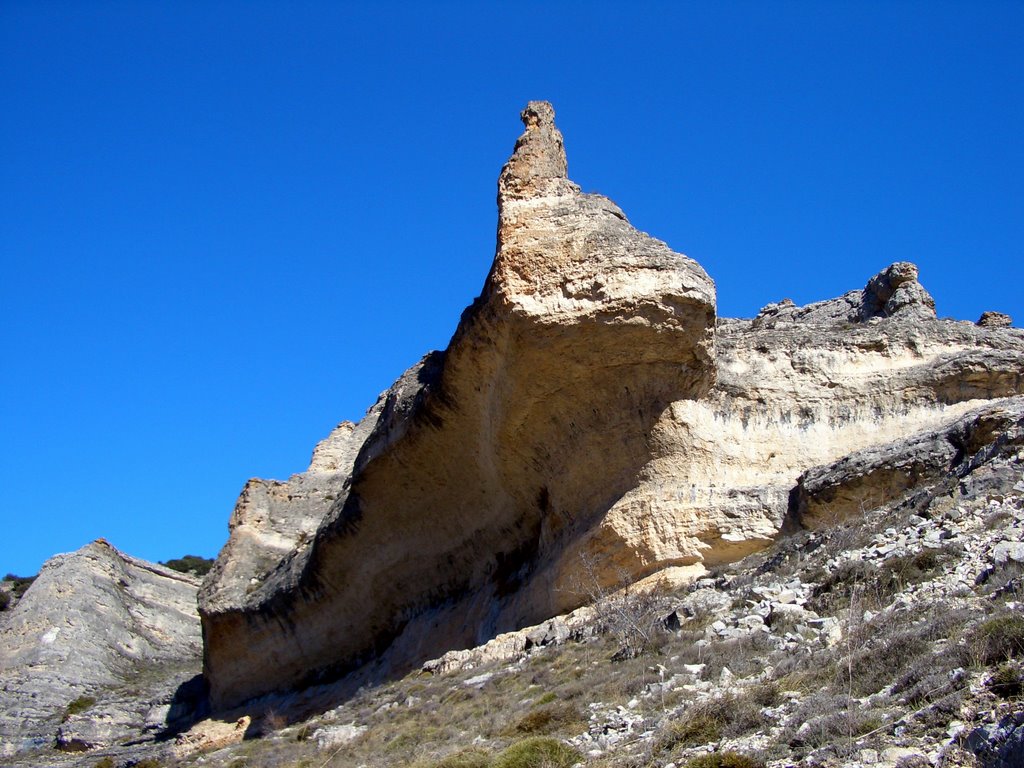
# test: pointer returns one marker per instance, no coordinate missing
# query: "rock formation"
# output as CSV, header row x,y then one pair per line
x,y
477,469
589,410
96,652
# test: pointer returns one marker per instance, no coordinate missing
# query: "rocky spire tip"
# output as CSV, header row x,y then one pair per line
x,y
538,166
538,114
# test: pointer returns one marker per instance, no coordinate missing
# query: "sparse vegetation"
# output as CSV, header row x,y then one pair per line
x,y
192,564
537,752
549,718
724,760
19,584
998,639
79,705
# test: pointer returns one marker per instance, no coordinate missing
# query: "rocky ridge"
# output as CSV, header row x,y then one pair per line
x,y
590,417
98,651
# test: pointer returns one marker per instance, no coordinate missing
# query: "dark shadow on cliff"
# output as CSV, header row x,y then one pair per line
x,y
190,704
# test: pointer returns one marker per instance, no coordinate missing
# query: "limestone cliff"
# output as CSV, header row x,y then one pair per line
x,y
588,409
481,465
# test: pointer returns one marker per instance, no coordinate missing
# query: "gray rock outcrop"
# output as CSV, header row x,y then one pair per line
x,y
590,420
96,651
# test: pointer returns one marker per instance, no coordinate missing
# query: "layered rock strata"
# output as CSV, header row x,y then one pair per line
x,y
484,462
96,652
590,422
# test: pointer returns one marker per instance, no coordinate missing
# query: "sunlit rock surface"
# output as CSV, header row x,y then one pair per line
x,y
591,420
98,651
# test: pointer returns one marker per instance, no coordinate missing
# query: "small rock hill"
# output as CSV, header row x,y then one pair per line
x,y
591,419
98,651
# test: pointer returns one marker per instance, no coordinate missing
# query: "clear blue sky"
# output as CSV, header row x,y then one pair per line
x,y
225,227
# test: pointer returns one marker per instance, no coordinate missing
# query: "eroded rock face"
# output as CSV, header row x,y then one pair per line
x,y
883,474
115,635
274,522
995,320
589,421
484,462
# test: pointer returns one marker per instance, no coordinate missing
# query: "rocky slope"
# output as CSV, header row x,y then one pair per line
x,y
100,650
894,639
591,419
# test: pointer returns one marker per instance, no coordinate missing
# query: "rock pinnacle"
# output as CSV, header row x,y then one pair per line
x,y
537,166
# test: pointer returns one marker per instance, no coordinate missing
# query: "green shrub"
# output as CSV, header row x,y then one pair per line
x,y
20,584
1007,681
104,762
724,760
79,705
999,639
537,752
5,600
197,566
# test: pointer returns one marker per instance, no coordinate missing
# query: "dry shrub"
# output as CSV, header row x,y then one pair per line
x,y
744,656
998,640
727,716
930,677
875,584
537,752
724,760
548,718
830,719
465,758
871,669
698,726
1007,681
631,615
